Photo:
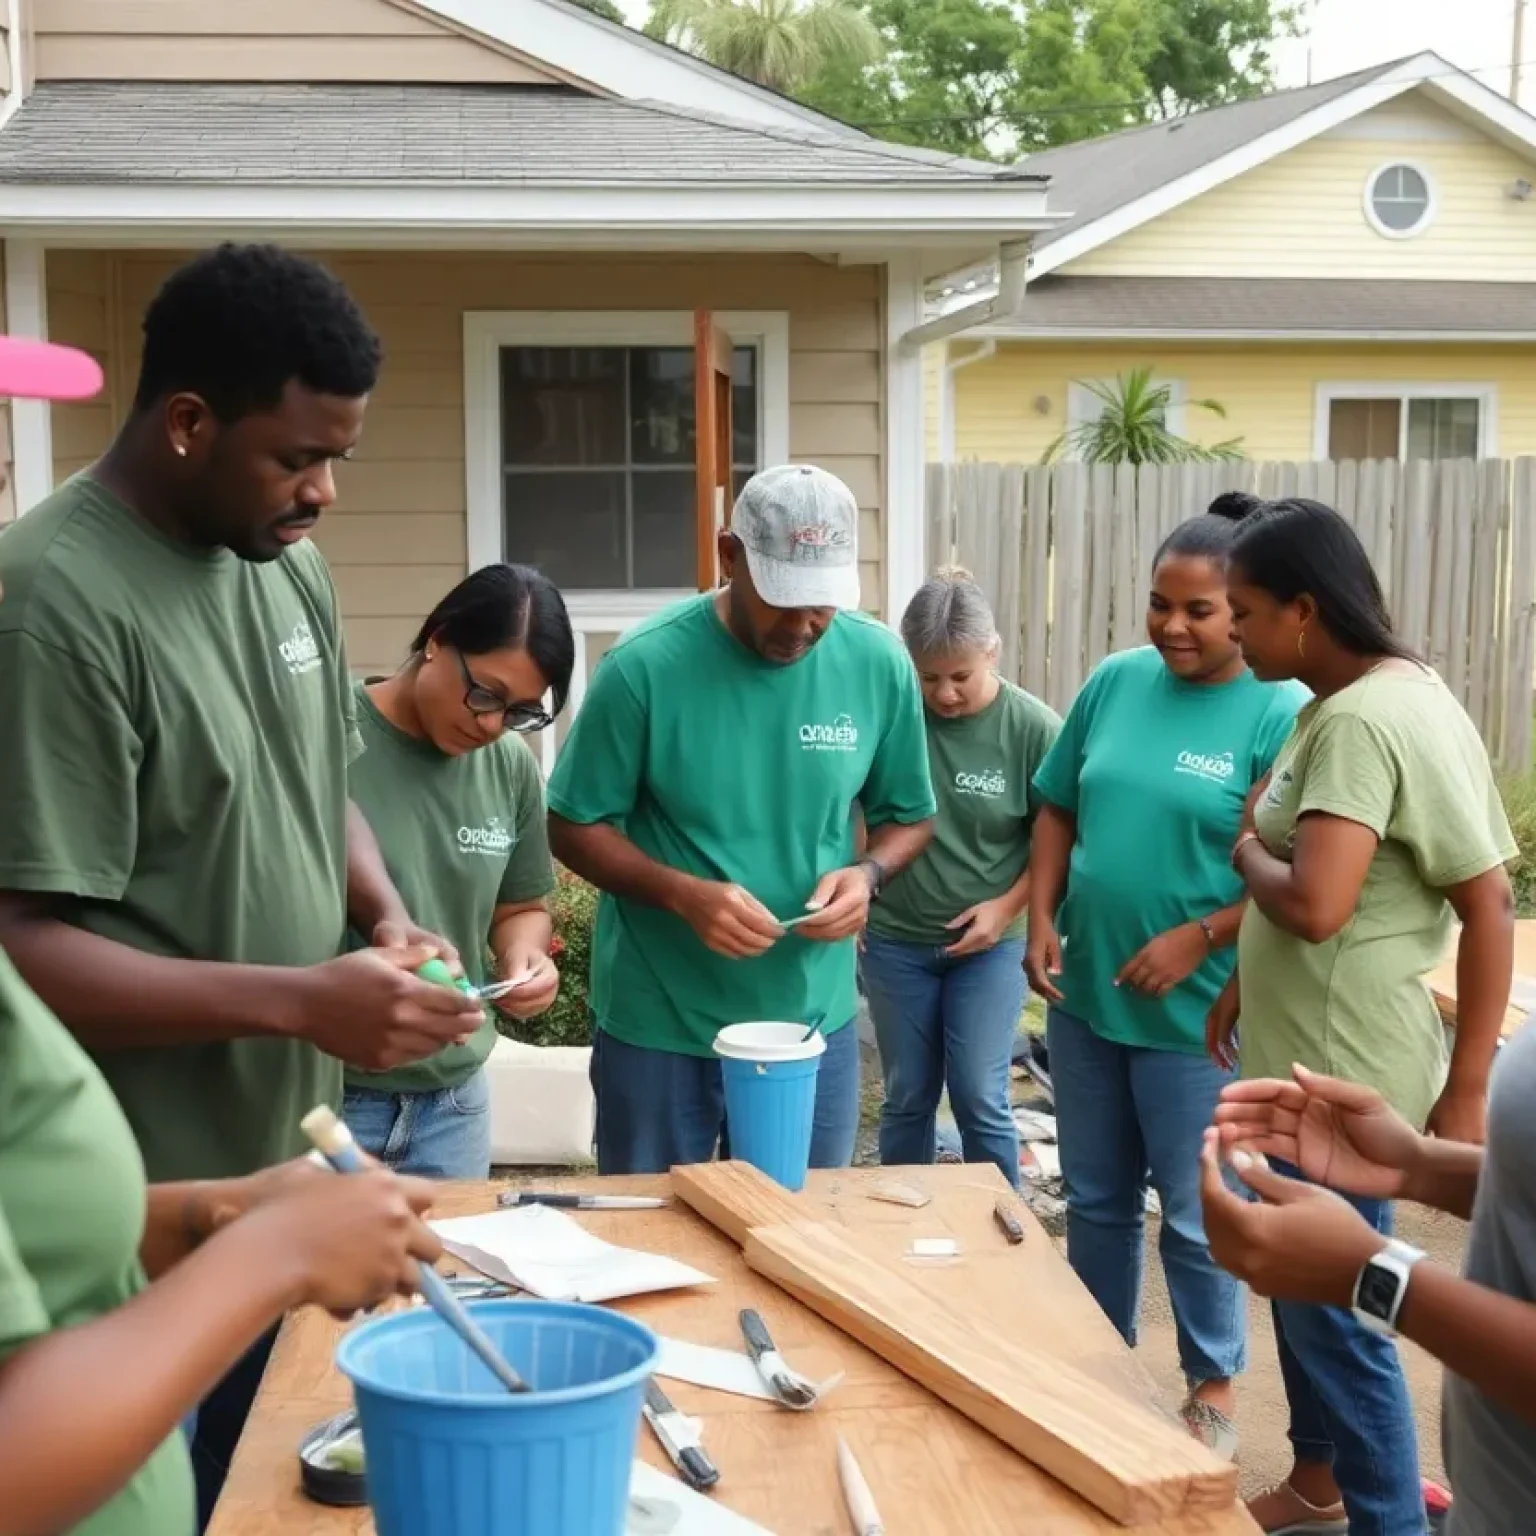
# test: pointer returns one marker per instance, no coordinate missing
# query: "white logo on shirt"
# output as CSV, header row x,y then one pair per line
x,y
990,783
299,651
492,840
1216,767
841,736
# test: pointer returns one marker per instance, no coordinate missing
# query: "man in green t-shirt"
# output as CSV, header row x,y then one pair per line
x,y
710,787
178,858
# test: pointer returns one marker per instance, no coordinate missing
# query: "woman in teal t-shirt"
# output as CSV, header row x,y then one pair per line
x,y
1134,910
943,957
455,799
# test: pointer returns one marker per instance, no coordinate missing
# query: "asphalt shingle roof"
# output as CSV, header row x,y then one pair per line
x,y
1094,177
1125,306
102,132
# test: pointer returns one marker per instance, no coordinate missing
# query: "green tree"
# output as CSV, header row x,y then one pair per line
x,y
778,43
604,8
1132,428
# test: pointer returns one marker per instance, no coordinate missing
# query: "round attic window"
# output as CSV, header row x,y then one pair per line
x,y
1399,200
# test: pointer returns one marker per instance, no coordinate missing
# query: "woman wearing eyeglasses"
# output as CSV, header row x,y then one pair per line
x,y
454,797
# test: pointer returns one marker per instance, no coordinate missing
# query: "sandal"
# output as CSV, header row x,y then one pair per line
x,y
1211,1427
1283,1512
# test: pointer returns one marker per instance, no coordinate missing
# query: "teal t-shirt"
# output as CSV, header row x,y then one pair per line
x,y
1156,772
460,836
713,761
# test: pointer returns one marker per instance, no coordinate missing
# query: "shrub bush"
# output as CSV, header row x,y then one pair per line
x,y
573,906
1520,806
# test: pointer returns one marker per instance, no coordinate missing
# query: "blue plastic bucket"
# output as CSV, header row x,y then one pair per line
x,y
450,1452
770,1096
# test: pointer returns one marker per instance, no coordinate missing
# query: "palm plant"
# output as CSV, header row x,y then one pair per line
x,y
778,43
1132,427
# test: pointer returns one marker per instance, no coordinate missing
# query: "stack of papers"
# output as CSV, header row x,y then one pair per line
x,y
662,1506
543,1251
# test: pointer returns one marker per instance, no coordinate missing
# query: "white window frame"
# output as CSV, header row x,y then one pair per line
x,y
1486,395
1368,199
486,332
1083,405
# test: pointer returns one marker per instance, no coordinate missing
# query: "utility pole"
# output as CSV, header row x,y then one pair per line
x,y
1517,52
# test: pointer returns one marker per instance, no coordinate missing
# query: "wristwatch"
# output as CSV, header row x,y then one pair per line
x,y
876,872
1381,1286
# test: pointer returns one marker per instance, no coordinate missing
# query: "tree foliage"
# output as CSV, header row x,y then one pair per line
x,y
1131,427
782,44
1003,77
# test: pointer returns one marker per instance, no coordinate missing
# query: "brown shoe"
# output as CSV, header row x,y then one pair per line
x,y
1283,1512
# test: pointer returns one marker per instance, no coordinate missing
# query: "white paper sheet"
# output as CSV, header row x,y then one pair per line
x,y
726,1370
547,1253
697,1515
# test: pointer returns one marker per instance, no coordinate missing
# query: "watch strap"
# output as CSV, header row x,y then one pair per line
x,y
1397,1261
876,872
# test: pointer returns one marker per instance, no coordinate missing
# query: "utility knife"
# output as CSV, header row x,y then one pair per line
x,y
679,1439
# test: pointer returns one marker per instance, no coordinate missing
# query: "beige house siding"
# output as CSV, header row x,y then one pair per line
x,y
397,538
296,40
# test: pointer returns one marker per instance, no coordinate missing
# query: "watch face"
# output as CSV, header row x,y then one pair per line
x,y
1378,1291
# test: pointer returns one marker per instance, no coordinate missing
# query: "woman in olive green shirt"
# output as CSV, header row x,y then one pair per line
x,y
1379,821
120,1308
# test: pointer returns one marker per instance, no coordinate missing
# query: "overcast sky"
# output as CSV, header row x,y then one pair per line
x,y
1354,34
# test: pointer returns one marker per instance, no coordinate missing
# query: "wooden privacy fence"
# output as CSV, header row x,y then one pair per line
x,y
1065,551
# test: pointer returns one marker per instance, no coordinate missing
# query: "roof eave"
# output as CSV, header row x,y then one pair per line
x,y
1314,337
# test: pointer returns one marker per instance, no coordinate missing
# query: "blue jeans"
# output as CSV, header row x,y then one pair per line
x,y
214,1427
1126,1116
1349,1404
940,1020
659,1109
443,1135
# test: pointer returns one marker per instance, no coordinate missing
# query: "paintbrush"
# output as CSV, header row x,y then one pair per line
x,y
334,1142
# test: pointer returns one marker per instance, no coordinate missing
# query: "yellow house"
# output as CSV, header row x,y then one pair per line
x,y
1349,269
532,204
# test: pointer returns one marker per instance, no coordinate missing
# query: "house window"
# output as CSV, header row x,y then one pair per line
x,y
1399,200
598,460
1384,424
580,441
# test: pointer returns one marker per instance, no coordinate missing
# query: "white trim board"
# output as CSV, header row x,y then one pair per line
x,y
1162,334
906,554
1486,395
486,332
26,310
1466,97
628,64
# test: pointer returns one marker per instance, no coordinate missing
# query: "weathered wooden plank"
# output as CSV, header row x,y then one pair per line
x,y
1125,615
1522,610
1151,486
1415,550
940,533
1070,527
1034,672
1010,546
1101,579
1389,522
1134,1465
1484,619
1458,518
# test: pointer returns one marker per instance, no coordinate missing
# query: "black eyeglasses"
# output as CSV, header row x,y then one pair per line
x,y
525,719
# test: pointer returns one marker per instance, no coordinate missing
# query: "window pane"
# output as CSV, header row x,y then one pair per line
x,y
570,524
664,552
662,406
1363,429
1400,197
1442,429
744,449
562,405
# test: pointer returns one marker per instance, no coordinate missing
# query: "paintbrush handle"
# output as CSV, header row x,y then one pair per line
x,y
334,1141
861,1502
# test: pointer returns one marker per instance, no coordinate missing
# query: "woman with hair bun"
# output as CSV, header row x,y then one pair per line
x,y
944,951
1134,910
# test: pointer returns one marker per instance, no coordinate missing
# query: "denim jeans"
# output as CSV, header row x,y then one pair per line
x,y
443,1135
941,1020
1126,1115
1349,1404
659,1109
214,1428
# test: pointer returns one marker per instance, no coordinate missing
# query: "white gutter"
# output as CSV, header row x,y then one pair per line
x,y
1004,305
952,366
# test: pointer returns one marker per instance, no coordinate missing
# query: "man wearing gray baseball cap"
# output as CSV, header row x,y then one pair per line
x,y
710,788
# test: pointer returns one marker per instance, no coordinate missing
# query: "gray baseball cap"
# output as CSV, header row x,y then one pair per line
x,y
800,529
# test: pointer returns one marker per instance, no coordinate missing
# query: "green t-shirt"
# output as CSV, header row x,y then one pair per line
x,y
1156,771
1396,753
714,761
71,1221
460,836
982,768
174,733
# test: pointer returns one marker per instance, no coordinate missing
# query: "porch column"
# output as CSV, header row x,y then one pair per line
x,y
906,559
26,314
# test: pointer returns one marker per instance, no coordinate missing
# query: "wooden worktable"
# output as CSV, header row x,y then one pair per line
x,y
1522,991
930,1468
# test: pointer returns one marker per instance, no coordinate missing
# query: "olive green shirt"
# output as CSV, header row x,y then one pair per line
x,y
174,731
1394,752
460,836
982,767
71,1220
